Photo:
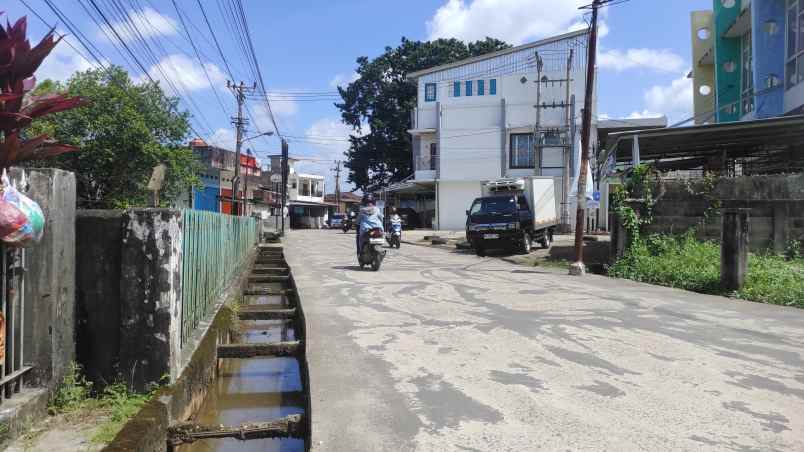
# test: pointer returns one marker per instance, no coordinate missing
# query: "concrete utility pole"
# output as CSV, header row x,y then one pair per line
x,y
337,170
569,113
239,122
578,267
285,156
537,132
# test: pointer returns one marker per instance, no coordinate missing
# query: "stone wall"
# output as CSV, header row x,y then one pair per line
x,y
776,206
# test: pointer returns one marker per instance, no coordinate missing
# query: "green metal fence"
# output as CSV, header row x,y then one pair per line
x,y
213,249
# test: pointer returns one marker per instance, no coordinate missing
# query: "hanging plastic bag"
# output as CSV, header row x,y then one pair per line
x,y
30,230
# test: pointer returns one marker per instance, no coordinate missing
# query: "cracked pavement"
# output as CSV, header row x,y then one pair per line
x,y
444,351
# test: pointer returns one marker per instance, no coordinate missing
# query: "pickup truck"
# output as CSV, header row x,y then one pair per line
x,y
513,214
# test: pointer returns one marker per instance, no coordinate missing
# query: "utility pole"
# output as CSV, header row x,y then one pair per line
x,y
239,122
337,170
284,181
569,110
537,135
578,267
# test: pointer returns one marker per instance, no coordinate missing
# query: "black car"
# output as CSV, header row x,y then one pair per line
x,y
504,221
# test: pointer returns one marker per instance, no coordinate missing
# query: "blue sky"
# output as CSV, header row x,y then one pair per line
x,y
312,45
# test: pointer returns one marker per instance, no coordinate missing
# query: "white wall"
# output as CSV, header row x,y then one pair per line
x,y
454,199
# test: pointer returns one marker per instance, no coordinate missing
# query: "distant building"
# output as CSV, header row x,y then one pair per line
x,y
348,201
216,176
748,60
306,206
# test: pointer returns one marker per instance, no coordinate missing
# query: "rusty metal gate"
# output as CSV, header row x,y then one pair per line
x,y
12,324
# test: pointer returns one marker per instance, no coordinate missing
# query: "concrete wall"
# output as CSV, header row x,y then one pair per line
x,y
150,294
776,215
50,279
703,74
768,54
454,199
99,234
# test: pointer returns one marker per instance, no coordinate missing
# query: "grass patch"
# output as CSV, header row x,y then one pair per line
x,y
686,263
115,404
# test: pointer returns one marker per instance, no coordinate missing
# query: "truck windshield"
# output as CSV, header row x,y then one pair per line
x,y
493,206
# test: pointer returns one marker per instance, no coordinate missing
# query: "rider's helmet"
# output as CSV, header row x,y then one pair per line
x,y
368,198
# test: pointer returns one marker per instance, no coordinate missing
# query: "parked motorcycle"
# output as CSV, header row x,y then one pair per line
x,y
395,234
372,252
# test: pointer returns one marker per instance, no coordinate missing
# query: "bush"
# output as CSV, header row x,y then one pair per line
x,y
686,263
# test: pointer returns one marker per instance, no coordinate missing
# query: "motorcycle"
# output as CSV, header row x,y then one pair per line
x,y
347,224
395,235
372,252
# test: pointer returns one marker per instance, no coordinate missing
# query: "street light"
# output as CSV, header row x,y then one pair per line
x,y
266,134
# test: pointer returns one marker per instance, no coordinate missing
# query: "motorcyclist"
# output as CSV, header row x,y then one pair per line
x,y
395,218
369,218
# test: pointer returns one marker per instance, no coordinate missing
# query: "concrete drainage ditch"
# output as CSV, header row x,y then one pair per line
x,y
246,388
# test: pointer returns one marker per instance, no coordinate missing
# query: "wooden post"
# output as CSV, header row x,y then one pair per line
x,y
734,248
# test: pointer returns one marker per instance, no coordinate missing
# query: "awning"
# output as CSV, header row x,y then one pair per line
x,y
774,141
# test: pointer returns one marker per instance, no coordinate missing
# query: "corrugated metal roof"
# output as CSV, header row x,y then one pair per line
x,y
515,54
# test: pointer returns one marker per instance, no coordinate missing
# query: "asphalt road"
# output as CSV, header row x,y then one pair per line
x,y
445,351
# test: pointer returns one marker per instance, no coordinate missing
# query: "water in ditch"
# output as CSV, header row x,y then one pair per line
x,y
254,390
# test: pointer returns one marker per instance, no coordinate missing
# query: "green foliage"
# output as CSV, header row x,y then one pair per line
x,y
75,396
772,279
381,100
792,250
705,188
73,393
125,131
681,262
636,190
122,405
686,263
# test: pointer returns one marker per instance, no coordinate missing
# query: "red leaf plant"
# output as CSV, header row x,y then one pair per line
x,y
18,62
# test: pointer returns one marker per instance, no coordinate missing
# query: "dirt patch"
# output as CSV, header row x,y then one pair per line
x,y
62,433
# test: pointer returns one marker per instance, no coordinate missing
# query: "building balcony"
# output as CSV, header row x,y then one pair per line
x,y
425,167
424,120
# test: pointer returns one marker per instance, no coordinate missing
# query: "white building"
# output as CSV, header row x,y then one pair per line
x,y
306,206
477,119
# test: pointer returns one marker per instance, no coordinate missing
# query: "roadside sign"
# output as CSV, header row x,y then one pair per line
x,y
276,178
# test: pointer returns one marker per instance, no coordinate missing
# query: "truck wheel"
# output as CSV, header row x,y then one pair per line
x,y
480,250
526,244
545,241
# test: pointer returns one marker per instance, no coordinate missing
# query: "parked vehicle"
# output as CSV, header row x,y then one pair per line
x,y
336,220
410,218
372,252
395,232
512,214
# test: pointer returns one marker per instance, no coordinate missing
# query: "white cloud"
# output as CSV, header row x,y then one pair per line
x,y
185,73
147,21
673,100
223,138
660,60
342,80
326,141
63,62
514,21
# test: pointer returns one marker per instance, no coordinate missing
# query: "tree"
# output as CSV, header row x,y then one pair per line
x,y
381,100
125,131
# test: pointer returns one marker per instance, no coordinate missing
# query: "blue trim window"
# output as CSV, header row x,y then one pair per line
x,y
429,92
468,87
493,87
456,89
481,87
